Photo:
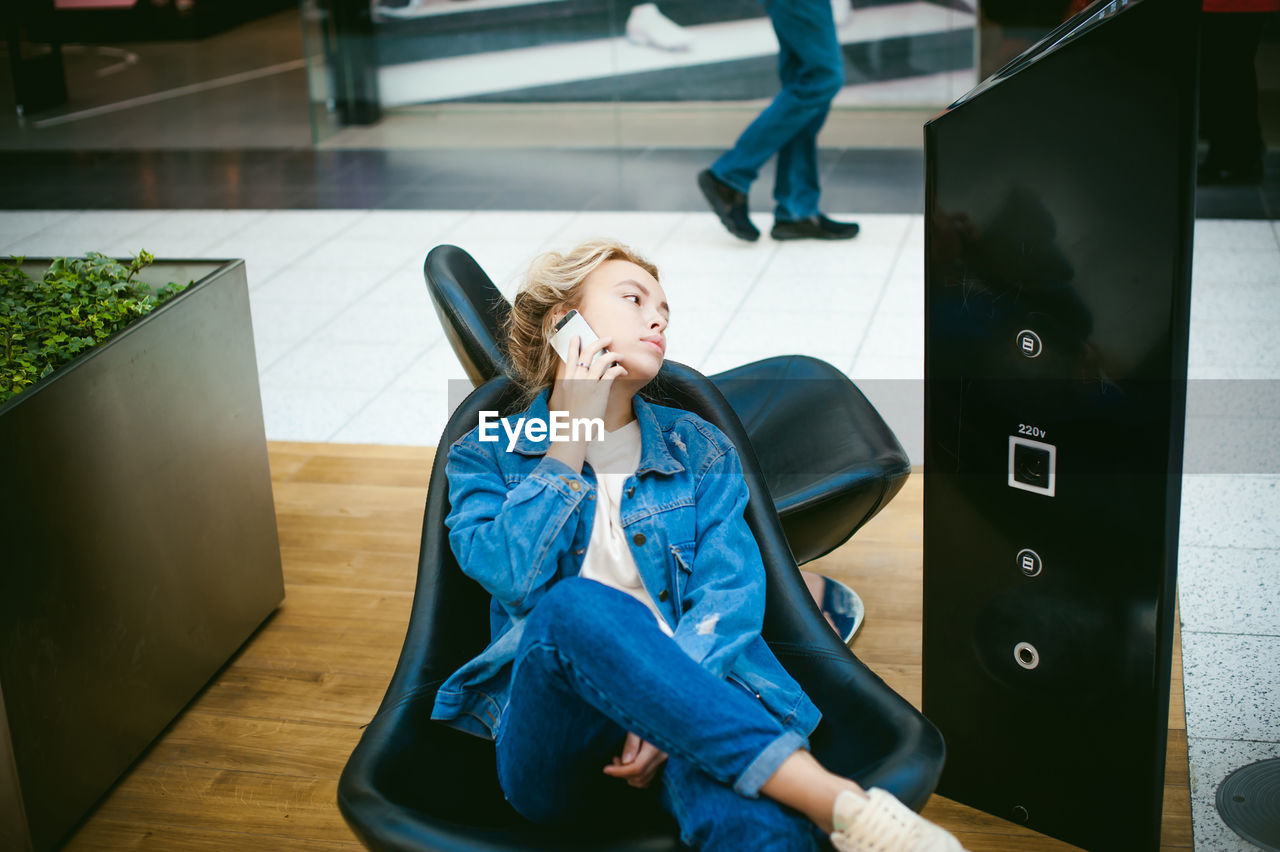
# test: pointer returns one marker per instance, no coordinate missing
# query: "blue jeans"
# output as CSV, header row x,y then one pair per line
x,y
811,66
591,666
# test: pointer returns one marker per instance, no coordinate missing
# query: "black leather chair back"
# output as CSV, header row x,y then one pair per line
x,y
471,309
416,784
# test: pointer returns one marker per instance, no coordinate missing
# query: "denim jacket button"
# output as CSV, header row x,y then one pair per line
x,y
580,551
638,538
574,485
631,491
662,595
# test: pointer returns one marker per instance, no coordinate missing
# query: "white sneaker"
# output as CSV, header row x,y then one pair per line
x,y
646,26
842,12
880,823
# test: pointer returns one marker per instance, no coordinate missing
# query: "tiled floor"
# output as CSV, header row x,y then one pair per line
x,y
349,350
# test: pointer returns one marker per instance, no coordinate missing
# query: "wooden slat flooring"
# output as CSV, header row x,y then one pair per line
x,y
254,761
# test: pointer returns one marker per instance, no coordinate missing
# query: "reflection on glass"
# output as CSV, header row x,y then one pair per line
x,y
624,53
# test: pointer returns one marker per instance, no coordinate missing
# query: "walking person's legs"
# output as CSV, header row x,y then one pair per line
x,y
811,69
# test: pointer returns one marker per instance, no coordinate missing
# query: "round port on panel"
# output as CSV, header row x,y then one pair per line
x,y
1026,655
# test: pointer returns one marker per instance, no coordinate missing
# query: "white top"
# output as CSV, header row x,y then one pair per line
x,y
608,559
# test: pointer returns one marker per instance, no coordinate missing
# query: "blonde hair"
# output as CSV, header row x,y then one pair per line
x,y
554,281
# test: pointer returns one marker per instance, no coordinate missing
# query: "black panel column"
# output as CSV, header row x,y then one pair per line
x,y
1060,208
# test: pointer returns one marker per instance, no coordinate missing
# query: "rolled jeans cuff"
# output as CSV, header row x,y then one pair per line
x,y
767,762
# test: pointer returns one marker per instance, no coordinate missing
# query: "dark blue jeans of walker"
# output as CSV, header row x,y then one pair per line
x,y
591,666
811,67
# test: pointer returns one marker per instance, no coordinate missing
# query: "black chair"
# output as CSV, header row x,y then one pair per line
x,y
414,784
825,486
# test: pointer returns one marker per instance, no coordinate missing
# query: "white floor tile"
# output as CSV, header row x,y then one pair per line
x,y
725,357
14,225
264,256
869,367
404,286
644,232
1230,372
889,229
1225,344
505,261
802,294
432,372
123,223
1236,266
425,227
703,230
709,264
533,228
794,332
380,321
701,301
1234,398
836,258
1215,234
1231,445
1232,685
344,366
1211,762
53,242
347,252
1230,511
904,296
1229,590
894,336
270,351
398,418
289,322
210,226
309,414
1229,301
314,225
335,286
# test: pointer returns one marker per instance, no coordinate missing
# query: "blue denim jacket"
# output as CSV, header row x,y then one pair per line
x,y
519,522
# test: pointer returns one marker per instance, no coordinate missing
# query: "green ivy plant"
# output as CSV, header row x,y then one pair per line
x,y
77,304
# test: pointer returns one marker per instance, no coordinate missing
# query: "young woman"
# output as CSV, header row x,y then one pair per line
x,y
628,596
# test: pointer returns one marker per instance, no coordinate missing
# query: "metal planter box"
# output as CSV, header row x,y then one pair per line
x,y
138,545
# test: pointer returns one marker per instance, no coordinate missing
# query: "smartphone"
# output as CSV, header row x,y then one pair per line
x,y
573,324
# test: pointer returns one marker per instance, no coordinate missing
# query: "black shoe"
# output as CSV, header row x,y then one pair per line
x,y
814,228
729,204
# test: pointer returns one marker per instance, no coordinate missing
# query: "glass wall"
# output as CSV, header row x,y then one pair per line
x,y
454,60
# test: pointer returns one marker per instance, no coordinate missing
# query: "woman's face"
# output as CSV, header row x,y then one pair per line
x,y
623,301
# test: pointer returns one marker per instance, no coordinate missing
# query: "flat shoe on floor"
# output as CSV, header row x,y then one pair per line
x,y
814,228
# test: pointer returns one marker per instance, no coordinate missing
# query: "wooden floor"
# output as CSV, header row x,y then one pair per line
x,y
254,761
